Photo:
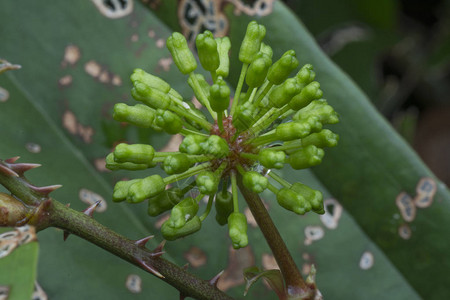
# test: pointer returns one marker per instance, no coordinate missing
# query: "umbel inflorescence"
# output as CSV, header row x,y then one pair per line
x,y
278,120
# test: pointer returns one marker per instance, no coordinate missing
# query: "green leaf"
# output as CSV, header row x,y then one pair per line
x,y
63,109
273,277
19,266
371,167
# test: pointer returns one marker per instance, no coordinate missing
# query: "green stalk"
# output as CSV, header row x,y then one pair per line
x,y
279,179
203,99
272,188
239,88
185,131
264,114
267,86
192,171
185,113
248,156
269,137
291,146
252,95
265,122
234,192
208,209
220,121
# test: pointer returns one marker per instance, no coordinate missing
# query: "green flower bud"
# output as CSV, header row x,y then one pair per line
x,y
137,153
175,94
150,96
204,85
255,182
145,188
169,233
207,51
223,47
207,182
164,201
292,130
267,50
152,81
319,108
177,163
196,112
314,197
306,157
244,116
121,188
139,115
112,165
281,69
237,225
224,207
191,144
183,212
216,146
219,98
293,201
271,158
257,71
182,56
168,121
282,94
252,42
309,93
322,139
305,75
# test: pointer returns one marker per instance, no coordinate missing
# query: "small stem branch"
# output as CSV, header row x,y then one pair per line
x,y
202,97
280,179
185,113
239,88
295,285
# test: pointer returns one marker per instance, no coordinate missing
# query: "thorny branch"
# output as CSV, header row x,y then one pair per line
x,y
32,205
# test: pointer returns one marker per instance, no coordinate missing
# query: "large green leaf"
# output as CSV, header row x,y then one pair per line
x,y
63,109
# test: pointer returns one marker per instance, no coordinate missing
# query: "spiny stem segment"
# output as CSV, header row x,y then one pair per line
x,y
48,212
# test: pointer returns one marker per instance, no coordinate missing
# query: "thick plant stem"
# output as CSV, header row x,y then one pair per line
x,y
295,285
92,231
44,212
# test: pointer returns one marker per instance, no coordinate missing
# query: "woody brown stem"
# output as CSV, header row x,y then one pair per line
x,y
296,287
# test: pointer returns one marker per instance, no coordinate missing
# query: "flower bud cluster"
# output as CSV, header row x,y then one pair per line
x,y
273,120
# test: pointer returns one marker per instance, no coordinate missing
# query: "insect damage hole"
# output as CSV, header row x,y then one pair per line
x,y
134,283
313,233
4,95
114,9
72,54
38,293
33,147
367,260
4,292
196,257
333,212
406,206
426,188
404,231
